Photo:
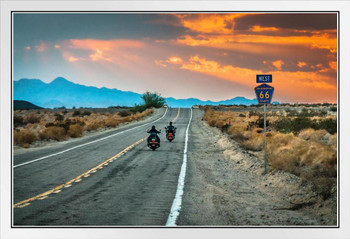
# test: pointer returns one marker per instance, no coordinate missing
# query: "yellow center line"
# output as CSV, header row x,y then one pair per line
x,y
177,116
76,179
68,184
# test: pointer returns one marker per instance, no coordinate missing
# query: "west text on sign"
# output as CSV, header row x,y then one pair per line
x,y
263,78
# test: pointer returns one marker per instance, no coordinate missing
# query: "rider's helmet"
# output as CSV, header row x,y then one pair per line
x,y
171,123
153,127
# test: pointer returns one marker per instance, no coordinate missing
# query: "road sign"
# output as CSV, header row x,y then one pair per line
x,y
264,93
263,78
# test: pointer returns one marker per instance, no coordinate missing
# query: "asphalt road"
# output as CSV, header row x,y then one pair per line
x,y
112,182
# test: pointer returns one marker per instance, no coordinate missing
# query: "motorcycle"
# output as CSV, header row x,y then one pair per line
x,y
170,135
153,143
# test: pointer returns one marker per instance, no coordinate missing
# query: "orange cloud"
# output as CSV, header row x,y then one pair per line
x,y
174,60
72,59
99,55
301,64
258,28
171,60
218,31
278,64
28,48
284,82
209,23
160,63
333,65
226,41
42,47
102,50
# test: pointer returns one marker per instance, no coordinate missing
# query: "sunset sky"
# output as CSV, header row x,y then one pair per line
x,y
202,55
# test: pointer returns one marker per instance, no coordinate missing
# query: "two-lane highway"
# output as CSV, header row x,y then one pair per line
x,y
116,180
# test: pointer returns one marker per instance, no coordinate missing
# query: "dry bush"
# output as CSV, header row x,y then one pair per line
x,y
24,137
255,141
237,131
112,122
289,153
75,130
54,132
94,125
32,118
314,135
333,141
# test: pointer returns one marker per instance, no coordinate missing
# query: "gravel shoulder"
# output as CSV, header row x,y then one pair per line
x,y
226,186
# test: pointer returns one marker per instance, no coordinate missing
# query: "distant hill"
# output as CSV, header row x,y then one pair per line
x,y
61,92
24,105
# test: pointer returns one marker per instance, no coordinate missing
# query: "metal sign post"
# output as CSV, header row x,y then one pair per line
x,y
265,138
264,94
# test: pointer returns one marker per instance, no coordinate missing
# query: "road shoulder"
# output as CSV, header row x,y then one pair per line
x,y
225,186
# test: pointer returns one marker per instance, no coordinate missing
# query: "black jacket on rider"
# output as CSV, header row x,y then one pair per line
x,y
170,129
153,131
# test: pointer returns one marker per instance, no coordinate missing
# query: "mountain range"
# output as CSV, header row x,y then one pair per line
x,y
61,92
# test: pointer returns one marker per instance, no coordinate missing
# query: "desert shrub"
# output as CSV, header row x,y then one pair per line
x,y
254,141
292,154
259,123
53,132
65,124
86,112
59,117
153,100
287,125
24,137
237,131
314,135
124,113
138,108
112,122
76,113
333,109
284,125
94,125
328,124
333,141
75,131
32,119
255,113
18,121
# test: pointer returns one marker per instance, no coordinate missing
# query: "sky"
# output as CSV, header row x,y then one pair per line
x,y
209,56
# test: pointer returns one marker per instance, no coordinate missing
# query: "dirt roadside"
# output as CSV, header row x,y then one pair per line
x,y
226,186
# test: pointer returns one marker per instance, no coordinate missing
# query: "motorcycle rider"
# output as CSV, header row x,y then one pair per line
x,y
153,131
170,129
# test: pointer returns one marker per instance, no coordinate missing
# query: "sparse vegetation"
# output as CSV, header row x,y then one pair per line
x,y
300,142
58,125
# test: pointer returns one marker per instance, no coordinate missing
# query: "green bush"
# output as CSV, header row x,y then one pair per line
x,y
287,125
153,100
328,124
87,113
76,113
18,121
138,108
59,117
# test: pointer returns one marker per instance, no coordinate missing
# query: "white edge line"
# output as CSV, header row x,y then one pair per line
x,y
176,207
81,145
